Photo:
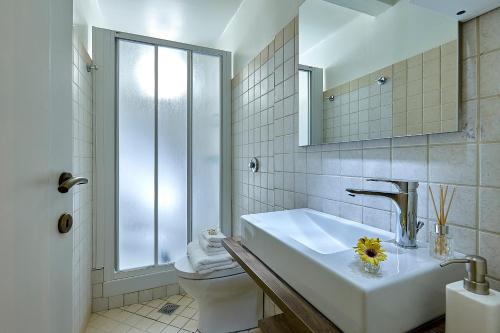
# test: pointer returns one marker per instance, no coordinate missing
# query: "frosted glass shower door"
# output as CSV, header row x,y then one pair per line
x,y
206,142
169,152
172,154
136,155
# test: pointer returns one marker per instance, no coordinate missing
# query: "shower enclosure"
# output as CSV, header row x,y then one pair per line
x,y
161,150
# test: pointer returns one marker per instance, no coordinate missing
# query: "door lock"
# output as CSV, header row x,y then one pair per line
x,y
65,223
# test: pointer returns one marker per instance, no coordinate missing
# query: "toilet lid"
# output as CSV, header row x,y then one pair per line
x,y
184,269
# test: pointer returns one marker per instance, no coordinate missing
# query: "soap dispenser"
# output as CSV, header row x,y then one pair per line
x,y
471,306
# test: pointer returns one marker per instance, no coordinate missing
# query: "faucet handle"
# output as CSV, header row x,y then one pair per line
x,y
402,185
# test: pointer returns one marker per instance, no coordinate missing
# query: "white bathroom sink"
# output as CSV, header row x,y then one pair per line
x,y
313,253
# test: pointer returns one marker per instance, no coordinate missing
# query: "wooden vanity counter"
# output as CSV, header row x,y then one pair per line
x,y
298,316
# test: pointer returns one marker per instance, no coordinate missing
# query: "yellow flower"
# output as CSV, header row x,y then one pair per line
x,y
370,250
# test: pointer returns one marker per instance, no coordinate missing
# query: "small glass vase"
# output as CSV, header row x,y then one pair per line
x,y
440,242
371,268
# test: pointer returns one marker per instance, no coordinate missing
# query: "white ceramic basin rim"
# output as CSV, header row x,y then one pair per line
x,y
315,230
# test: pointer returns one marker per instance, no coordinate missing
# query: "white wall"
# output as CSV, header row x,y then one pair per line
x,y
82,195
84,13
254,26
368,43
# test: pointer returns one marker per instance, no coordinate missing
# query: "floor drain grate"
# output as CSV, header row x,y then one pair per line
x,y
168,308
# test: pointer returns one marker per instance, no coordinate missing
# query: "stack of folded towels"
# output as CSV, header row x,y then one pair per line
x,y
207,253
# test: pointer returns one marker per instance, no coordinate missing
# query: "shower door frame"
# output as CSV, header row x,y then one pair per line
x,y
106,159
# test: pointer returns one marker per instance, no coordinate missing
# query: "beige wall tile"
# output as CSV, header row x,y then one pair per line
x,y
463,158
431,66
449,79
449,95
415,73
489,209
490,164
399,67
354,85
414,61
469,79
364,81
432,114
449,112
469,39
489,26
414,87
489,247
409,163
432,98
490,119
289,32
432,82
489,74
414,102
264,55
270,49
278,40
468,121
464,239
450,48
431,127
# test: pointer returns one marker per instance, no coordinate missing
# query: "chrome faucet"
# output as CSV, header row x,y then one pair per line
x,y
406,203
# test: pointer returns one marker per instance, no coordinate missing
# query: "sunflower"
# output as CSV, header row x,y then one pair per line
x,y
370,251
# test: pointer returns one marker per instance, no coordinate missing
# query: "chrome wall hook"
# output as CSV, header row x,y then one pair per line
x,y
91,67
382,80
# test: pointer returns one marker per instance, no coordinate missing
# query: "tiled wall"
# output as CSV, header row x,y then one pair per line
x,y
101,303
265,125
362,109
82,195
420,96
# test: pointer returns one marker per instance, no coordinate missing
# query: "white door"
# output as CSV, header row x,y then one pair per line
x,y
35,147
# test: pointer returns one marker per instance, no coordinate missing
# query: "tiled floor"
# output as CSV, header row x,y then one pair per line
x,y
145,318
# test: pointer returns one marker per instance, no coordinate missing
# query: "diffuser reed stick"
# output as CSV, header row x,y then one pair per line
x,y
441,246
443,205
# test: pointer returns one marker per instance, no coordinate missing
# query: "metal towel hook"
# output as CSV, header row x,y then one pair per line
x,y
91,67
67,181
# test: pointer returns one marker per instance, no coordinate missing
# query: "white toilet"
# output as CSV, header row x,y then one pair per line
x,y
228,300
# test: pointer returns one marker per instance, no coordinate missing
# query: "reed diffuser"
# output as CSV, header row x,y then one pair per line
x,y
440,242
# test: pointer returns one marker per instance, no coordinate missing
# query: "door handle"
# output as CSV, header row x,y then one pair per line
x,y
67,181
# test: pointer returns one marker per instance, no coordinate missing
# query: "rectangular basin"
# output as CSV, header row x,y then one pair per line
x,y
313,252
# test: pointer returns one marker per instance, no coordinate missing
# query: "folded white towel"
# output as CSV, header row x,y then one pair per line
x,y
210,248
214,239
204,263
218,268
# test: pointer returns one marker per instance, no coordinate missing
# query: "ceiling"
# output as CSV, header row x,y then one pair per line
x,y
199,22
452,7
319,19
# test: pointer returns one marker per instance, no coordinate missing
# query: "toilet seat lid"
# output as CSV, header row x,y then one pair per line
x,y
184,269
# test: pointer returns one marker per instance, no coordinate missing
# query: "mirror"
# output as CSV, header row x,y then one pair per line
x,y
378,69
